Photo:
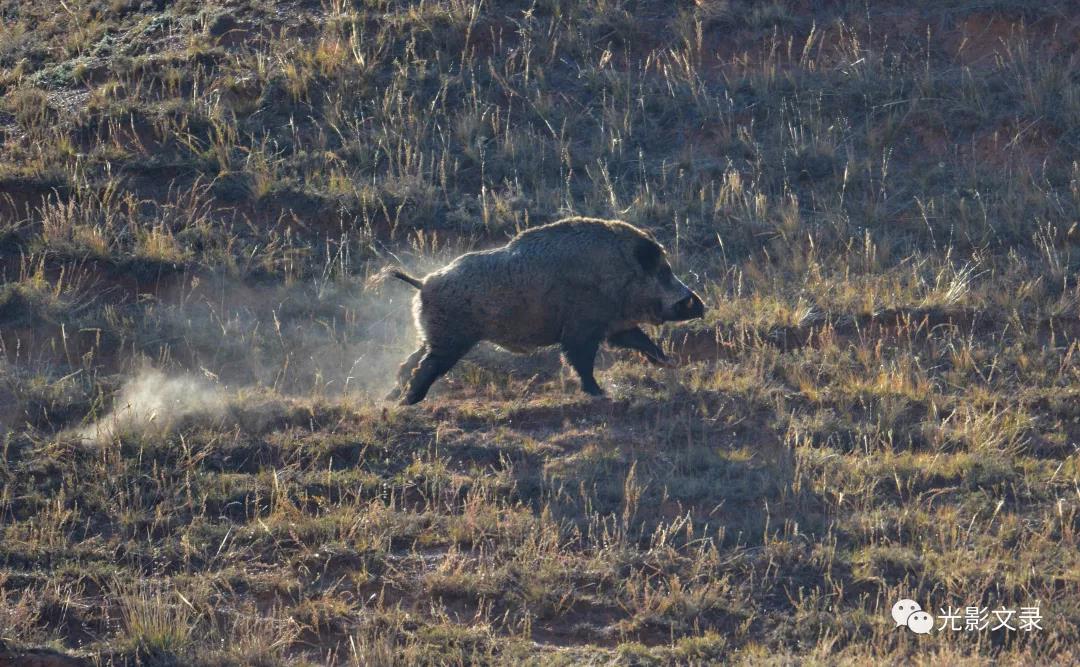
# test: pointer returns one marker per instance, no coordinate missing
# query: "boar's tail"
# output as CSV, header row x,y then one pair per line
x,y
380,277
401,275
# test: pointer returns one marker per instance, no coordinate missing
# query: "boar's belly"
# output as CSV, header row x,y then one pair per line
x,y
521,326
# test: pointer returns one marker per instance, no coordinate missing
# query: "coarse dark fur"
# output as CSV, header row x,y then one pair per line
x,y
575,283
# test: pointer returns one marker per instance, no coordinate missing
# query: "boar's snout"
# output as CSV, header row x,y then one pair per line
x,y
689,308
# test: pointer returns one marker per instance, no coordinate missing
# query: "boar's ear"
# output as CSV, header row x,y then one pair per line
x,y
648,254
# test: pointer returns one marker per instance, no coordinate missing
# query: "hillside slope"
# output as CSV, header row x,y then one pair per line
x,y
879,203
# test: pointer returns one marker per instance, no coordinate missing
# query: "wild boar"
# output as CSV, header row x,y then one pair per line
x,y
575,283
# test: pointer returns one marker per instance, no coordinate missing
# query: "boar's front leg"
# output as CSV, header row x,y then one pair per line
x,y
636,339
580,349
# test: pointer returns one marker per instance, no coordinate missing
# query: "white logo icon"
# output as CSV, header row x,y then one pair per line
x,y
908,612
904,608
921,623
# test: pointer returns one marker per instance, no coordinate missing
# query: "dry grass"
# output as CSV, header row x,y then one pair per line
x,y
879,204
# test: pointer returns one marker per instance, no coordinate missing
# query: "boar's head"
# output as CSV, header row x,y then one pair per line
x,y
665,297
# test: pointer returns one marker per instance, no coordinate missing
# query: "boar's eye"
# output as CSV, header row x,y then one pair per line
x,y
666,275
648,254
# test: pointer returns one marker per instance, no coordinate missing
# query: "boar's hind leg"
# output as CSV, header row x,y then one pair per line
x,y
580,353
405,371
436,361
636,339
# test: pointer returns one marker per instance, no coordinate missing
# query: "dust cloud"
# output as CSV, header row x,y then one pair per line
x,y
153,403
